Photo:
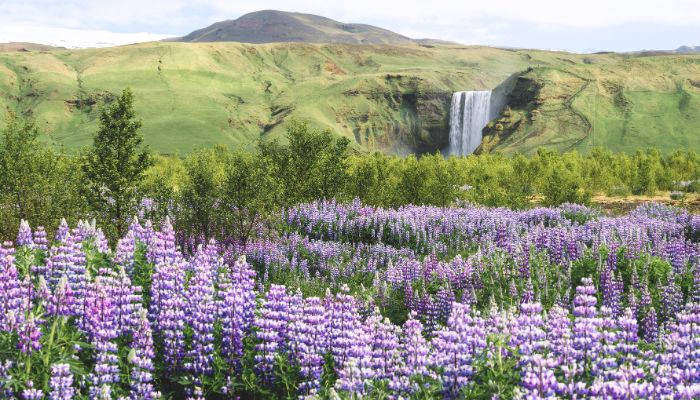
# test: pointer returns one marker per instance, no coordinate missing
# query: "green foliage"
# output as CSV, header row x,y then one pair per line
x,y
249,193
312,166
562,185
115,165
496,375
649,173
36,183
204,175
163,184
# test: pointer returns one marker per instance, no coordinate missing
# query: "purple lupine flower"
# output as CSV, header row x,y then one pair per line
x,y
58,261
167,310
7,253
351,377
103,392
671,298
632,302
271,324
41,241
357,372
609,340
343,324
126,299
627,383
162,249
444,299
610,289
61,383
650,326
11,296
29,335
142,359
696,281
61,302
414,352
29,393
42,293
236,308
24,236
559,335
124,254
538,380
586,325
101,328
683,343
455,347
627,345
197,394
5,389
200,311
513,290
309,339
67,259
384,345
63,231
529,336
469,296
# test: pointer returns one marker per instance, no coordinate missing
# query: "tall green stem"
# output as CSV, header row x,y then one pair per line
x,y
49,348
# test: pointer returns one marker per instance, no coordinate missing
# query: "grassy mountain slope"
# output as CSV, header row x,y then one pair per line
x,y
192,95
391,98
25,46
627,104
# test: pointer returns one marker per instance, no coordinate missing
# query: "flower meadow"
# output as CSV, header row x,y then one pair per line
x,y
342,300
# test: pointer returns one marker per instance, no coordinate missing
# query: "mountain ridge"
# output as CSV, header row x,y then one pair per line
x,y
274,26
26,46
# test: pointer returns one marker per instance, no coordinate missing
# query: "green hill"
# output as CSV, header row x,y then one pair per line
x,y
387,97
620,104
273,26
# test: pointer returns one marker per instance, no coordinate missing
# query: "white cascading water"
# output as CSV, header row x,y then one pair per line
x,y
469,114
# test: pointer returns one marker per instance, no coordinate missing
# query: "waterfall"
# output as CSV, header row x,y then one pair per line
x,y
470,112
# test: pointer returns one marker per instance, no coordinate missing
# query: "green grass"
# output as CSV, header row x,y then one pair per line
x,y
196,95
621,105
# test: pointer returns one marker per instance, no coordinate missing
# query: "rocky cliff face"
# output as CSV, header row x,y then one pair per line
x,y
433,111
416,116
406,115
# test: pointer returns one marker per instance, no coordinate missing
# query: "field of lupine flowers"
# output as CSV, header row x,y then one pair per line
x,y
349,301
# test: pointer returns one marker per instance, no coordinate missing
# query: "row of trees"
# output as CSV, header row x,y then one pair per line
x,y
220,193
42,185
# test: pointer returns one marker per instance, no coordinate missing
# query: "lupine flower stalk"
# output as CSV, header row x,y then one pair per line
x,y
61,383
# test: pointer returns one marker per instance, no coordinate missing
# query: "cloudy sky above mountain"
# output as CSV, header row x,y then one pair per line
x,y
576,25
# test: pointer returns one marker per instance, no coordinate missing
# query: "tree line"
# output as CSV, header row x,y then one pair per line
x,y
218,192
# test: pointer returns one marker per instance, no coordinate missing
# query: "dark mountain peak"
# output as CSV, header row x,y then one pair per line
x,y
688,49
270,26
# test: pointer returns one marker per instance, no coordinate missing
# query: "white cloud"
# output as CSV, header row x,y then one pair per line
x,y
72,38
470,21
580,13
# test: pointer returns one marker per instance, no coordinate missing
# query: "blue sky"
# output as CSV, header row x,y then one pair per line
x,y
575,25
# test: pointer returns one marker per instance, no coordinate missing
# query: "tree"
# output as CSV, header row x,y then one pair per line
x,y
201,192
562,185
249,194
115,164
36,182
312,166
19,171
